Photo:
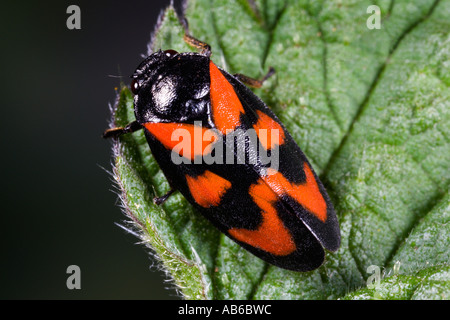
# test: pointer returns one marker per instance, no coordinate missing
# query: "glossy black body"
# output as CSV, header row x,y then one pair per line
x,y
175,88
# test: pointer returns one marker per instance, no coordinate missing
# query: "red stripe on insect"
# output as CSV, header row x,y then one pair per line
x,y
306,194
226,106
271,236
195,144
207,189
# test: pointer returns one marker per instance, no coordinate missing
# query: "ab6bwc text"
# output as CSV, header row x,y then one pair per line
x,y
232,309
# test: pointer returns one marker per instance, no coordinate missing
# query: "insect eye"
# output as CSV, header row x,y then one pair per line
x,y
134,86
170,52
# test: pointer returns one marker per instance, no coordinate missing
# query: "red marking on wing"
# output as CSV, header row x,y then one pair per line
x,y
207,189
307,194
271,236
226,106
270,125
194,146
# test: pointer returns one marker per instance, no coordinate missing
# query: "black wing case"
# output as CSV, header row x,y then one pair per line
x,y
227,194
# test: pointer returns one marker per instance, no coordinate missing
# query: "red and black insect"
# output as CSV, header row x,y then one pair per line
x,y
283,215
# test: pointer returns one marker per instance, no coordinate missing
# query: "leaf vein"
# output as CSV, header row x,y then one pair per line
x,y
374,84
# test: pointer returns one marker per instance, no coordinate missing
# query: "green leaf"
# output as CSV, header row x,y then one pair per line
x,y
430,283
371,110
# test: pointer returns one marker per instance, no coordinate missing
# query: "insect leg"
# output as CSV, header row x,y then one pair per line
x,y
118,131
206,48
254,82
160,200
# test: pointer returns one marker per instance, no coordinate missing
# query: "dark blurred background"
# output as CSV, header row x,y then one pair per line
x,y
57,206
